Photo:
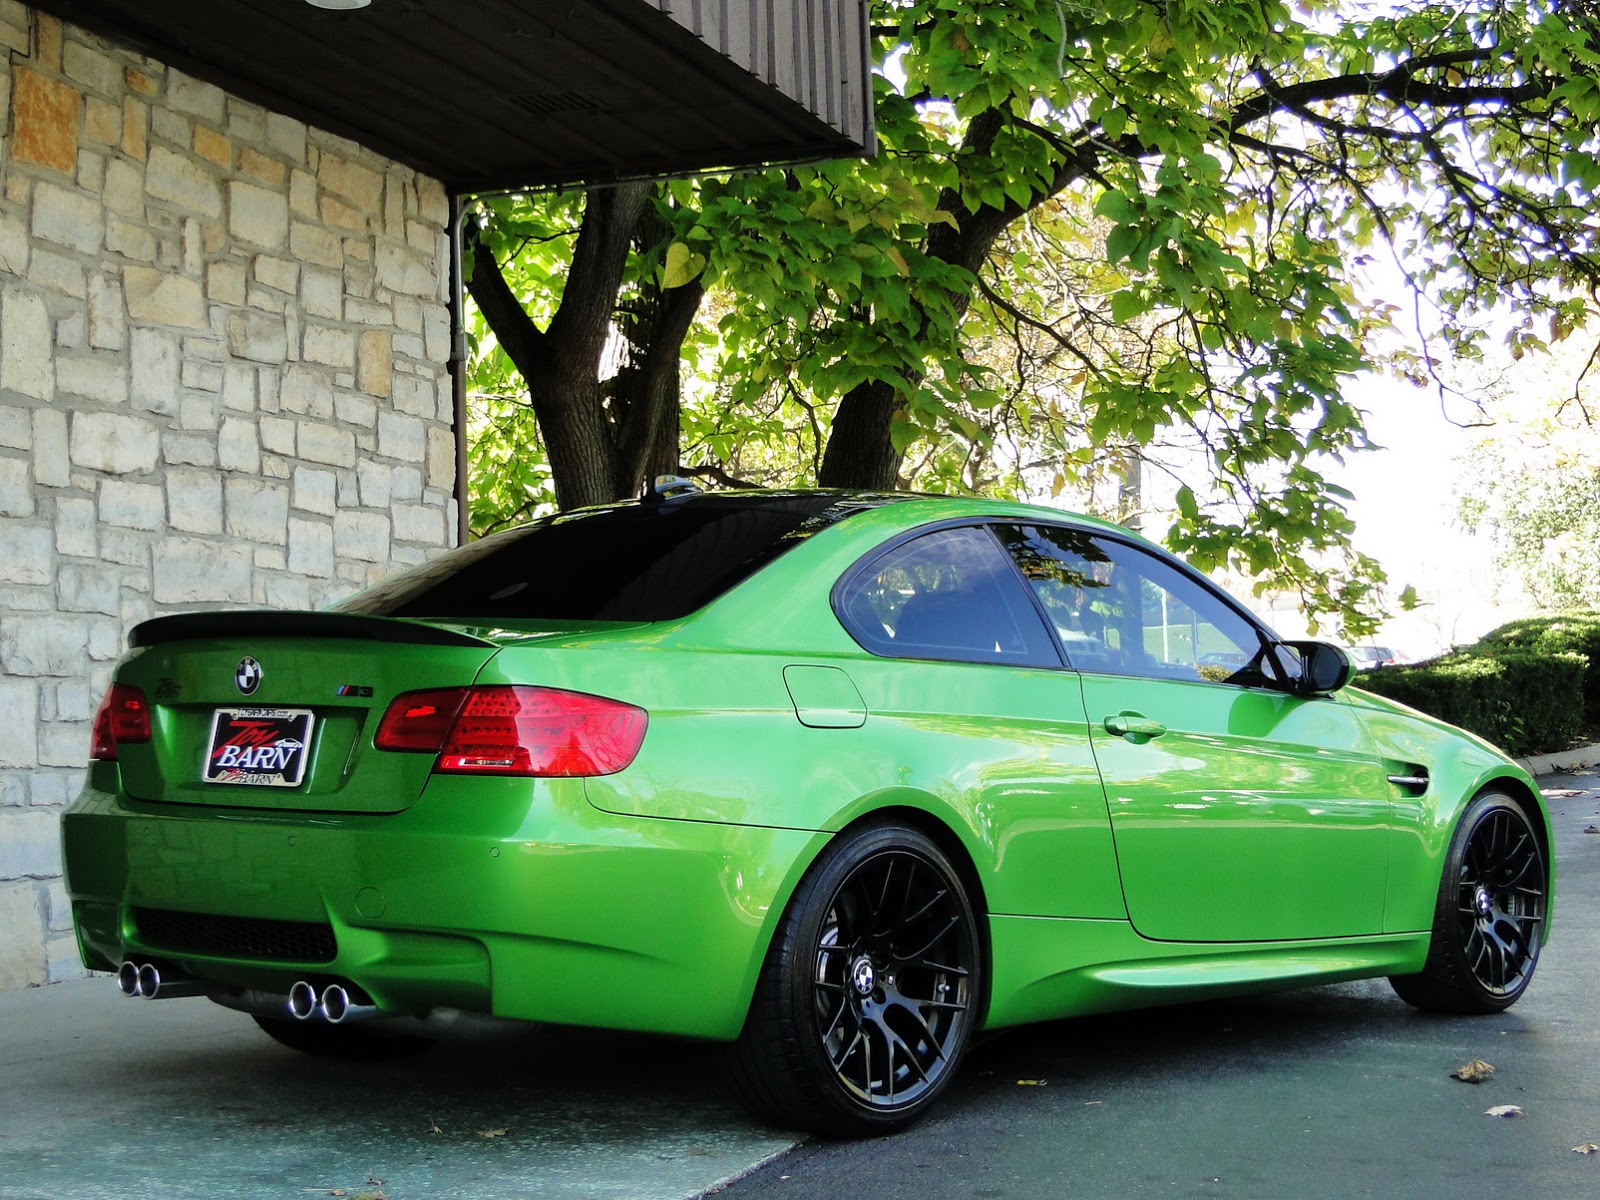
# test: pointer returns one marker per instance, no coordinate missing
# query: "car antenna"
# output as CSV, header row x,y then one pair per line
x,y
669,487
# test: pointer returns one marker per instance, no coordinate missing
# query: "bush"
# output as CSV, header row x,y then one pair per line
x,y
1569,632
1524,701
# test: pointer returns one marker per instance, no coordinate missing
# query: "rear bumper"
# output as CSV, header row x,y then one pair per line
x,y
508,897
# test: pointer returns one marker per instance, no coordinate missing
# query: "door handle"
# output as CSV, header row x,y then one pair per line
x,y
1136,727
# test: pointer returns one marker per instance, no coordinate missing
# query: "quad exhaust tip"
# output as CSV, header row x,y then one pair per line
x,y
145,980
333,1004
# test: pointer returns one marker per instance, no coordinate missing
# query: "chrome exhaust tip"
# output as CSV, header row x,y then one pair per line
x,y
149,981
303,1003
128,979
334,1004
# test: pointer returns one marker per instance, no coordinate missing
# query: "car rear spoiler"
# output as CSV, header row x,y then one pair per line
x,y
258,623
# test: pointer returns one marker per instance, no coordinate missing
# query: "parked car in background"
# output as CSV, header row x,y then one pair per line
x,y
1366,658
835,780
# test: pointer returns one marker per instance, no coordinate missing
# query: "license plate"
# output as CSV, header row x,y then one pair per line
x,y
258,747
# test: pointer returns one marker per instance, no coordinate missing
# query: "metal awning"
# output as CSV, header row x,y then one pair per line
x,y
489,94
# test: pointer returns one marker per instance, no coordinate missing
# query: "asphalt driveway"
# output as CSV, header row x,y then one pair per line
x,y
1338,1091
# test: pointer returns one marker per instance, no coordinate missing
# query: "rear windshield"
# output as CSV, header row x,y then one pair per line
x,y
634,562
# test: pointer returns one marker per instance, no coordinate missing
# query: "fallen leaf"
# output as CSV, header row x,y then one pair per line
x,y
492,1133
1475,1071
1586,1148
1593,829
1507,1111
433,1126
1030,1083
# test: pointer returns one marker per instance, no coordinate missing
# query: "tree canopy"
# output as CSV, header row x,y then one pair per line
x,y
1099,240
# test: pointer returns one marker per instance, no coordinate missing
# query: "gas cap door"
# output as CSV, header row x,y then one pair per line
x,y
824,698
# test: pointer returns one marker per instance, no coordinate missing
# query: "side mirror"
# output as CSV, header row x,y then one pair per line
x,y
1324,668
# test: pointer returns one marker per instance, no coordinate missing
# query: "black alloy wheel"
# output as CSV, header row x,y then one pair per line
x,y
1489,922
870,993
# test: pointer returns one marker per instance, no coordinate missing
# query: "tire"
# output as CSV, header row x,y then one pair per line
x,y
1488,923
869,993
352,1043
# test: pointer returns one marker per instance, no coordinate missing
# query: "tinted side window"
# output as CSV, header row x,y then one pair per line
x,y
1120,610
947,595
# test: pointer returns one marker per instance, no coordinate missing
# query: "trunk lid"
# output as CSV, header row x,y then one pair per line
x,y
335,673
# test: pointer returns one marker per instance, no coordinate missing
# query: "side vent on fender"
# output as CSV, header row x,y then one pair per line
x,y
1410,778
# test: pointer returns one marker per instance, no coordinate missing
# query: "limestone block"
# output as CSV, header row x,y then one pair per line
x,y
258,216
162,299
303,193
277,435
200,377
192,571
108,328
135,129
58,273
102,123
401,437
286,136
63,744
313,244
225,282
361,535
97,378
314,491
14,248
415,396
16,488
194,500
360,411
52,466
193,96
68,218
419,523
329,346
436,333
401,269
407,483
113,443
91,171
441,464
130,241
75,528
50,787
375,363
307,391
326,444
128,547
132,505
257,510
154,385
258,336
433,201
239,387
43,645
360,185
195,450
85,65
182,181
44,115
258,166
284,591
311,548
26,344
374,483
88,589
335,212
366,312
16,427
22,957
322,293
238,447
246,121
277,273
213,146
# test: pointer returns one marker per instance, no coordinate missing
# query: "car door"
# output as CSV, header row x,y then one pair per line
x,y
1240,811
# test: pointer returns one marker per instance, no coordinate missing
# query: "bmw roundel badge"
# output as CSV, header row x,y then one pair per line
x,y
247,675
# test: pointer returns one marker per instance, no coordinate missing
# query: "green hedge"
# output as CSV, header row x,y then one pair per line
x,y
1524,701
1574,632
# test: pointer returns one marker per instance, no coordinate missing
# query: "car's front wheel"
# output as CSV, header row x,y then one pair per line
x,y
870,991
1488,924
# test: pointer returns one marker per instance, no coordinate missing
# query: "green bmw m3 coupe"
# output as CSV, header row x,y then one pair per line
x,y
836,780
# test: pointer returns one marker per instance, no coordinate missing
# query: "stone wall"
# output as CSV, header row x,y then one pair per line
x,y
223,339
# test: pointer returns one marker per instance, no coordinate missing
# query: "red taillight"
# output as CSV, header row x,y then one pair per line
x,y
124,716
504,730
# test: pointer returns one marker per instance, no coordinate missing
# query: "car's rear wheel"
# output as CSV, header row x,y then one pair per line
x,y
354,1043
1488,924
870,991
